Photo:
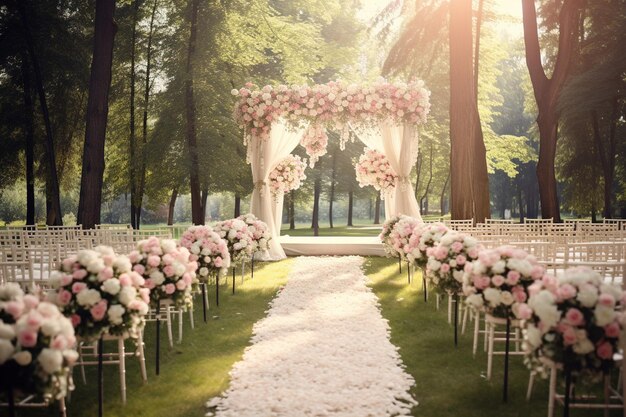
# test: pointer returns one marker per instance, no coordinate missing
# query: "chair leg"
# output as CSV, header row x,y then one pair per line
x,y
180,326
82,367
193,324
490,350
485,338
552,393
531,381
465,314
168,316
449,309
62,407
437,300
476,332
122,364
142,357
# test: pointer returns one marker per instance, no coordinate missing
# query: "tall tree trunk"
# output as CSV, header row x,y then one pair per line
x,y
29,130
418,171
442,198
237,205
171,206
332,189
606,155
521,205
132,160
97,113
350,206
190,113
53,197
292,210
204,195
377,209
547,90
430,180
146,98
463,111
317,189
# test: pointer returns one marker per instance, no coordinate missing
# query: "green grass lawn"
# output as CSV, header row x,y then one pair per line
x,y
449,381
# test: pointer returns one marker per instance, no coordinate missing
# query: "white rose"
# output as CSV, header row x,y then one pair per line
x,y
168,245
604,315
533,335
232,233
6,331
112,286
203,271
157,277
50,360
475,300
506,298
70,355
179,268
88,297
478,268
85,256
115,314
434,265
458,275
121,264
51,327
6,350
195,248
55,279
498,267
587,296
23,357
127,294
492,296
95,265
584,346
613,290
205,251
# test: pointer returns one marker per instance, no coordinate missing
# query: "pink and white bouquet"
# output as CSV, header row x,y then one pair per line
x,y
100,293
374,169
37,344
335,103
168,272
385,236
259,230
422,239
498,281
287,175
240,241
574,321
400,234
208,249
446,261
315,142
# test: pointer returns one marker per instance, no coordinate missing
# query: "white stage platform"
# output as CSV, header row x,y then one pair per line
x,y
331,245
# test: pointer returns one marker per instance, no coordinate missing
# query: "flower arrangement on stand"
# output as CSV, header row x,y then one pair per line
x,y
287,175
100,293
210,252
260,235
422,239
446,266
315,142
37,346
373,168
385,236
498,283
574,323
241,244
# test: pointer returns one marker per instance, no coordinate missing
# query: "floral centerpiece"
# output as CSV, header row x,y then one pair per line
x,y
573,322
335,103
315,142
208,249
167,269
37,345
446,261
400,234
259,230
422,239
238,238
100,293
373,169
287,175
385,236
498,281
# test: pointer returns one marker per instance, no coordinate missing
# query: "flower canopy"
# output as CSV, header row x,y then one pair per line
x,y
335,103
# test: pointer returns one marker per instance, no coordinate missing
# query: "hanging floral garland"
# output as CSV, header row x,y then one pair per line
x,y
287,175
334,104
315,141
374,169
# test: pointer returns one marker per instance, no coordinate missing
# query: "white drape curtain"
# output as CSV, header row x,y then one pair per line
x,y
264,156
399,144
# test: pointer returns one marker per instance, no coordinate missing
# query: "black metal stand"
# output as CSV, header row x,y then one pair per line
x,y
568,388
505,394
252,267
204,306
424,285
217,290
158,337
456,320
400,263
234,279
100,377
408,271
11,398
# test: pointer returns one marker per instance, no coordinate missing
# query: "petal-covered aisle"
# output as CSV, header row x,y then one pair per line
x,y
323,350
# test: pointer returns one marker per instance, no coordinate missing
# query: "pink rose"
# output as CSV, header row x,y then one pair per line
x,y
566,291
67,263
488,257
170,289
30,301
144,293
441,253
27,338
512,277
34,320
457,247
537,271
64,297
149,284
497,280
59,342
612,330
99,310
14,308
180,284
575,317
138,280
524,312
445,268
75,318
481,282
78,287
460,260
66,280
168,259
139,268
569,336
134,257
79,274
218,262
519,295
605,351
154,261
125,280
606,300
472,253
106,273
168,271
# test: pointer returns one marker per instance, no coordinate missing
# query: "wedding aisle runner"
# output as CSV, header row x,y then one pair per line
x,y
322,350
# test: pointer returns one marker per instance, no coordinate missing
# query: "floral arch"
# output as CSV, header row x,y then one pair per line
x,y
382,115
